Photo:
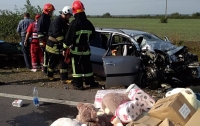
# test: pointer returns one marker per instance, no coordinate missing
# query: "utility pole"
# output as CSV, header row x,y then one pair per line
x,y
166,10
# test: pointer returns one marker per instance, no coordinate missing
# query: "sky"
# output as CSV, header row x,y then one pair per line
x,y
116,7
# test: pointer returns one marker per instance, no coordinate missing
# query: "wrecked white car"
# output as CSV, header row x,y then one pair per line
x,y
131,56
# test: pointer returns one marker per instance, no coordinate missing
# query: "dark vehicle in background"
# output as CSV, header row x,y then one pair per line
x,y
140,57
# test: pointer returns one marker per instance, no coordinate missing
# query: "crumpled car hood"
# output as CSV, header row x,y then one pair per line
x,y
160,45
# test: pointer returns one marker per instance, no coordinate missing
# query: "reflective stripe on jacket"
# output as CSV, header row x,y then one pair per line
x,y
34,34
81,32
57,31
79,50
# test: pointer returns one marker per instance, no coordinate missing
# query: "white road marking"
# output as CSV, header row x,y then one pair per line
x,y
40,99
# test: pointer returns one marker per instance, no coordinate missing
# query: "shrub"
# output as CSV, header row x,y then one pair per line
x,y
9,21
163,20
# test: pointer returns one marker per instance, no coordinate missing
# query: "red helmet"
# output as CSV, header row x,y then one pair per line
x,y
77,7
48,8
37,16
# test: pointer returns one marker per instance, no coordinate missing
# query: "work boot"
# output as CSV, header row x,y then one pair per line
x,y
66,81
78,88
95,85
51,78
1,83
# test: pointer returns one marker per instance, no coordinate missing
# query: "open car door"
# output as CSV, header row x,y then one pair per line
x,y
96,60
121,70
97,48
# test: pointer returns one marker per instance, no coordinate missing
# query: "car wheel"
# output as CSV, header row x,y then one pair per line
x,y
143,80
152,78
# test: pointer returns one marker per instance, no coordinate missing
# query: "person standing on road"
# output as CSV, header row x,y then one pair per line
x,y
54,47
80,32
43,28
21,29
36,51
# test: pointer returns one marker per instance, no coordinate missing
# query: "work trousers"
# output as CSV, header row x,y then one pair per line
x,y
82,67
45,56
55,60
36,55
26,53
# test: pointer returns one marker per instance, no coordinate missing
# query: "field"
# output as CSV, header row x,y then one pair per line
x,y
176,29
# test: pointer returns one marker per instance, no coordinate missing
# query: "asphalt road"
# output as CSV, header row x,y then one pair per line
x,y
54,104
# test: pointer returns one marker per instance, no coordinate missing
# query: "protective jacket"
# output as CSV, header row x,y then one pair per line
x,y
43,26
33,30
80,32
57,32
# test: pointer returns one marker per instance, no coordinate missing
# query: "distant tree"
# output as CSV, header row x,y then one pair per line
x,y
196,15
32,9
175,15
106,15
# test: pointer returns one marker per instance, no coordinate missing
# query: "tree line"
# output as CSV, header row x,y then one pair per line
x,y
159,16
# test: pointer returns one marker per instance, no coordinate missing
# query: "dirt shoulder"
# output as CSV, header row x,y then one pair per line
x,y
23,76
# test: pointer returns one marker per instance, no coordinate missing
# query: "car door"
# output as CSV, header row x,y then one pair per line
x,y
96,60
97,48
121,70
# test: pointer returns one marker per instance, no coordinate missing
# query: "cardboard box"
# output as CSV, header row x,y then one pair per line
x,y
194,120
174,107
145,121
167,122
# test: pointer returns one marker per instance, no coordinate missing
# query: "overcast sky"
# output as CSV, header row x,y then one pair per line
x,y
116,7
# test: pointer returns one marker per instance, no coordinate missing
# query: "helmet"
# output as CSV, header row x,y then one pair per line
x,y
48,8
66,10
77,7
37,16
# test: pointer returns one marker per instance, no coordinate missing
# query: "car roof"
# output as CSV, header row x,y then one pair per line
x,y
125,31
133,32
109,30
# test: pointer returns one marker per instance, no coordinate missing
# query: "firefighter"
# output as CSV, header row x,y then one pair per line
x,y
36,51
43,28
80,32
54,47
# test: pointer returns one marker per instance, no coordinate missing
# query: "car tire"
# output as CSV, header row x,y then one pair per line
x,y
152,78
142,82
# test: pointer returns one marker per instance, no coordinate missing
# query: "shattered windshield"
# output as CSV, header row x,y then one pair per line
x,y
152,42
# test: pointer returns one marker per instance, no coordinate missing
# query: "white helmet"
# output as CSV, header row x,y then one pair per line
x,y
66,10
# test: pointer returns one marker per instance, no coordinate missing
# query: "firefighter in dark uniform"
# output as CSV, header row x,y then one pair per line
x,y
43,28
54,47
80,32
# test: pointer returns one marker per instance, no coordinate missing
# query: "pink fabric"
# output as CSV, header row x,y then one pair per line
x,y
128,111
145,101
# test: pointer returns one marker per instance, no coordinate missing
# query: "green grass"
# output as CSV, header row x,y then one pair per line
x,y
186,30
